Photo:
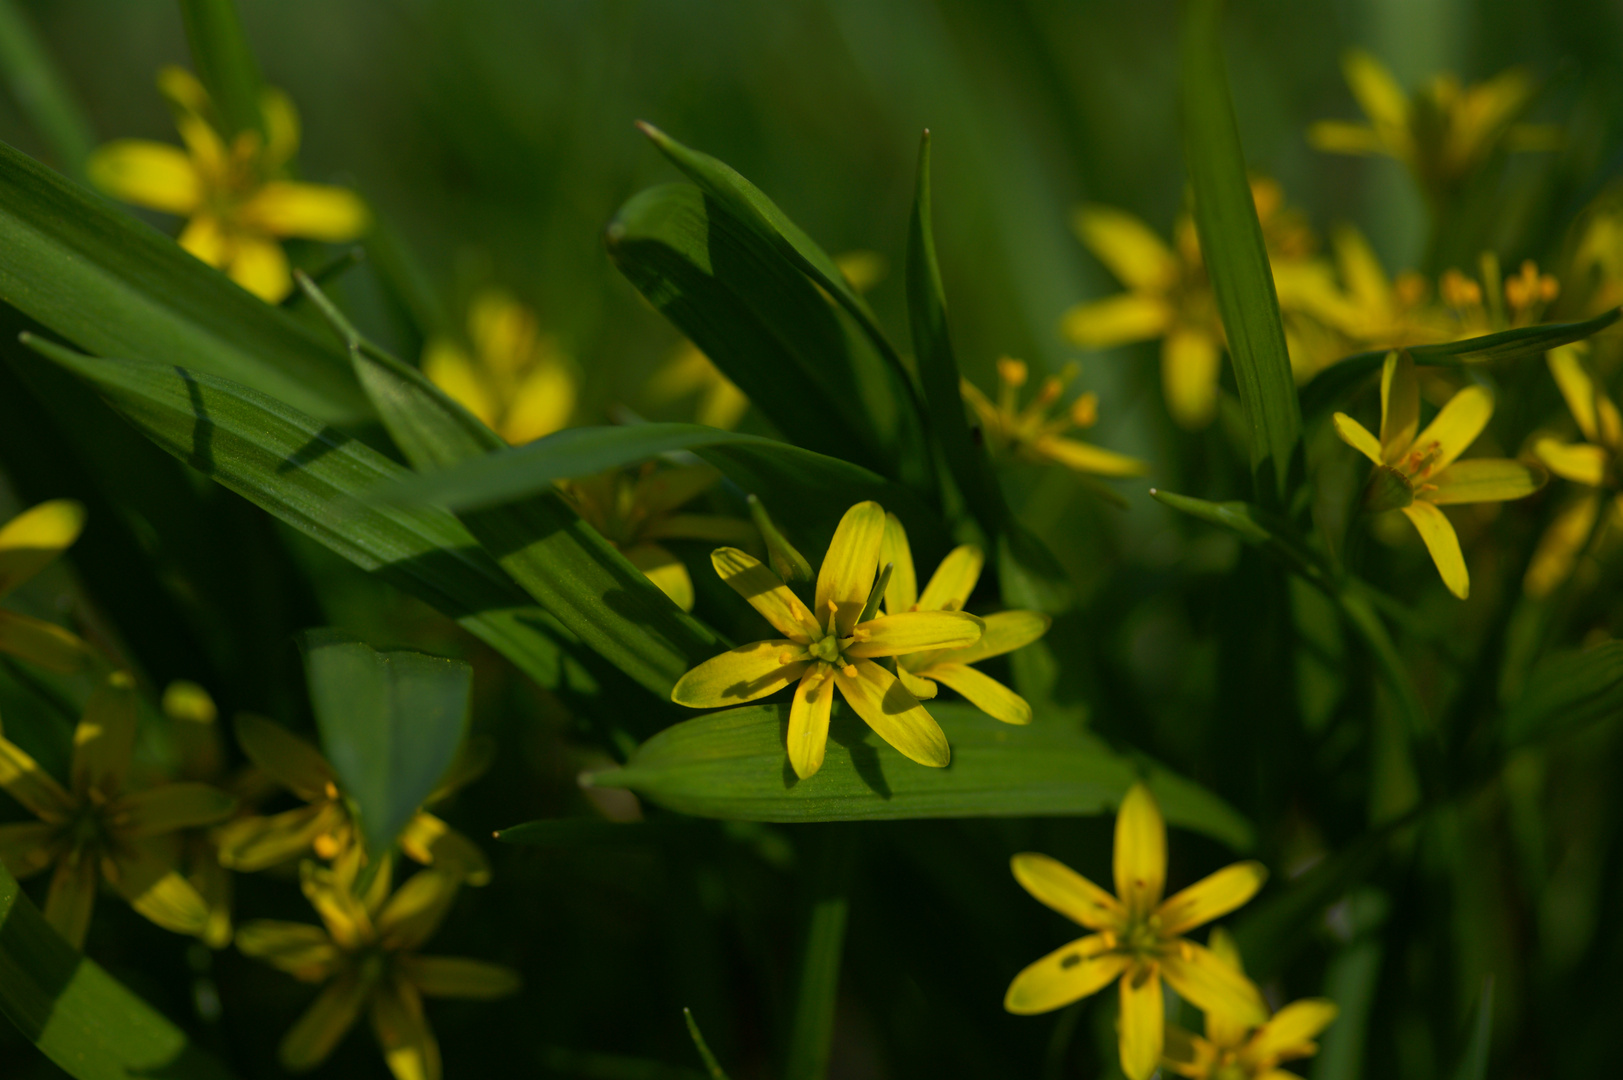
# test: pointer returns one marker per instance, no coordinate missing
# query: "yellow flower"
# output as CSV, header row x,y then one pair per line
x,y
1137,937
1596,463
367,955
721,404
1443,132
1232,1052
1368,308
192,716
948,590
1476,311
516,380
29,542
324,824
237,198
1170,297
97,828
1029,434
634,510
837,650
1418,473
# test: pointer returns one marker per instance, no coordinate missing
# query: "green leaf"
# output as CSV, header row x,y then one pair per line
x,y
1333,383
225,63
390,725
80,1017
313,477
938,366
115,287
40,92
732,764
1566,692
1474,1065
1236,258
811,1029
1254,526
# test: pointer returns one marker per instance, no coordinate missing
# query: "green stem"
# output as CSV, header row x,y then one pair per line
x,y
812,1032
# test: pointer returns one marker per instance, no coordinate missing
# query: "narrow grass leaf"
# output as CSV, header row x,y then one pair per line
x,y
1567,692
41,93
817,988
712,1067
1474,1066
225,62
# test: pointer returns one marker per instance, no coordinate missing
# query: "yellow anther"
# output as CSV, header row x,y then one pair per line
x,y
1085,410
1458,290
1012,371
1410,288
786,657
326,846
1048,393
849,671
331,790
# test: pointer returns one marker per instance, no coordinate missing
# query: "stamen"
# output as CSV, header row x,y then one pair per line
x,y
786,657
1011,371
849,671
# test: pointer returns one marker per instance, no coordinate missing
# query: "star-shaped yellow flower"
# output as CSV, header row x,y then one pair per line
x,y
97,828
721,404
367,955
1030,434
635,509
237,197
1443,132
516,379
1417,473
29,543
1367,307
1137,937
948,590
1232,1051
836,650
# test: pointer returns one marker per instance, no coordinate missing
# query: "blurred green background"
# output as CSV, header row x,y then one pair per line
x,y
496,138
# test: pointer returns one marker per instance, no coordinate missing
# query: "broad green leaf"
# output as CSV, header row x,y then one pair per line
x,y
1332,384
571,570
732,764
38,89
1567,692
1474,1065
224,62
390,725
1236,259
115,287
817,986
938,366
313,477
80,1017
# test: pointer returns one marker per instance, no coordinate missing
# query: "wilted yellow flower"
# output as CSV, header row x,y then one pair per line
x,y
635,509
516,380
367,955
29,542
1030,434
838,650
1137,937
1443,132
97,828
1596,464
237,198
948,590
1232,1051
1419,473
324,824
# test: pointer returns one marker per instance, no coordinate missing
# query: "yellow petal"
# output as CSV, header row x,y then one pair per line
x,y
182,88
428,840
260,266
1143,1022
104,740
723,405
213,883
149,174
980,405
1138,257
1443,544
328,1019
1005,631
1188,1054
1211,897
1456,426
281,128
664,570
767,593
984,692
1067,892
1400,406
27,847
1067,974
1357,436
32,786
902,590
504,332
848,569
808,720
145,875
1360,270
915,631
1210,985
1189,372
72,897
169,807
32,539
452,370
330,891
742,674
1140,856
1116,320
204,237
286,758
303,951
664,490
1485,480
251,844
1087,458
403,1032
541,404
454,977
415,910
307,211
1582,463
894,714
953,581
1221,1028
1582,392
920,687
1341,137
1378,94
1558,548
1297,1023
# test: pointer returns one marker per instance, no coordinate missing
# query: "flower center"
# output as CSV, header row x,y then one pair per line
x,y
1143,937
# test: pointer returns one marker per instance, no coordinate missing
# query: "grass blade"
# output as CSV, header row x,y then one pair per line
x,y
712,1067
225,63
811,1031
41,93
